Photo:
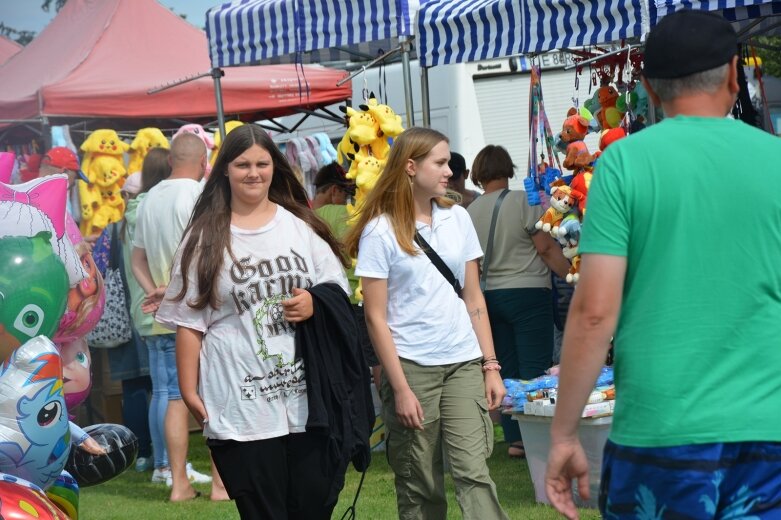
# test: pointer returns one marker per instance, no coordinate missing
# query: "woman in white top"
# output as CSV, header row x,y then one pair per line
x,y
237,291
440,374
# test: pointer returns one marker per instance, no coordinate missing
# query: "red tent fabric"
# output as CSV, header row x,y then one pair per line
x,y
98,58
8,48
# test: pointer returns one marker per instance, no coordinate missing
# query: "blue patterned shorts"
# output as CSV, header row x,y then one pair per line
x,y
697,482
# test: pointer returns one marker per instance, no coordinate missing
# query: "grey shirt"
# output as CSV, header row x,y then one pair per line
x,y
514,260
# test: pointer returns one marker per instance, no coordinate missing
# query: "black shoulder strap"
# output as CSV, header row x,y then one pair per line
x,y
489,248
438,263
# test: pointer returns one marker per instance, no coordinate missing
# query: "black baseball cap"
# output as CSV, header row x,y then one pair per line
x,y
687,42
333,174
457,165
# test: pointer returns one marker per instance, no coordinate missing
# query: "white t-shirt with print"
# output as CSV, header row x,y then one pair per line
x,y
429,323
162,217
249,380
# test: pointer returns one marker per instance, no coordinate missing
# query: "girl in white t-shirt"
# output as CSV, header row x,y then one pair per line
x,y
440,374
237,291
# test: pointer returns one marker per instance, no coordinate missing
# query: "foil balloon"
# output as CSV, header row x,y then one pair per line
x,y
23,500
65,495
33,290
39,205
86,299
76,372
121,447
6,166
34,430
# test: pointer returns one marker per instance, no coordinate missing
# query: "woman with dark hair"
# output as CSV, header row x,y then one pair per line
x,y
236,294
439,372
518,281
130,362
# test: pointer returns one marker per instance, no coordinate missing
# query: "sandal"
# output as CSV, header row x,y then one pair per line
x,y
516,451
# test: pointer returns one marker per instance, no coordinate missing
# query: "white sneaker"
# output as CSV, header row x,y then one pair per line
x,y
161,475
192,475
144,464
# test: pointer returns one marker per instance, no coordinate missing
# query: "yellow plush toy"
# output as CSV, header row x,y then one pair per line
x,y
363,127
229,126
145,140
102,195
389,122
102,142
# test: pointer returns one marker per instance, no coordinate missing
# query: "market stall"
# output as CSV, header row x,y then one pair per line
x,y
7,49
101,59
259,30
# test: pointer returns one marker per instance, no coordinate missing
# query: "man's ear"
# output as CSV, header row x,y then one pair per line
x,y
732,76
651,93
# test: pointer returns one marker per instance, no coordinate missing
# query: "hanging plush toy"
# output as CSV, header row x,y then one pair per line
x,y
145,140
563,200
229,126
100,143
102,194
390,123
609,116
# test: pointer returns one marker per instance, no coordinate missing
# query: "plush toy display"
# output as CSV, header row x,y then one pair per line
x,y
608,115
573,131
101,143
569,238
145,140
563,200
103,194
229,125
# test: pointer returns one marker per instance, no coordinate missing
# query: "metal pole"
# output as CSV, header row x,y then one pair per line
x,y
218,73
363,69
405,46
424,97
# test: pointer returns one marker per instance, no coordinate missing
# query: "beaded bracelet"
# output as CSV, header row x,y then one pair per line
x,y
492,366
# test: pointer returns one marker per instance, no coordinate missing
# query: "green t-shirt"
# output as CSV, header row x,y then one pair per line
x,y
691,203
336,217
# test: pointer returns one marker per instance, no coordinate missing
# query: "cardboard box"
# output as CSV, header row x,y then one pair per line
x,y
536,441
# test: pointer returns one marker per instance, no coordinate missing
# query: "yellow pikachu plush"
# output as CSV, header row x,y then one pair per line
x,y
363,127
389,122
101,142
229,126
145,140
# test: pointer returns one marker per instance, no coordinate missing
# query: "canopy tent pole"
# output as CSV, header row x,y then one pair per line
x,y
368,65
217,74
405,47
425,102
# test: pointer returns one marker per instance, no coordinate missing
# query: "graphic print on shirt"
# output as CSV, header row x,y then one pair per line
x,y
259,287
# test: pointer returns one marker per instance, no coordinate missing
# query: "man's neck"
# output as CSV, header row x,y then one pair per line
x,y
701,104
185,173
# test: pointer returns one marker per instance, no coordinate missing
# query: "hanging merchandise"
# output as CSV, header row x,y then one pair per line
x,y
366,144
103,165
229,126
145,140
541,173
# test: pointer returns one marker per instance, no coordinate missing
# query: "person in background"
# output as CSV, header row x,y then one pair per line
x,y
440,376
457,183
129,362
518,281
695,317
333,191
62,160
161,218
237,292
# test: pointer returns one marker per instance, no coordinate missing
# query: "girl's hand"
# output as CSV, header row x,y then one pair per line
x,y
299,307
197,408
494,389
92,447
408,410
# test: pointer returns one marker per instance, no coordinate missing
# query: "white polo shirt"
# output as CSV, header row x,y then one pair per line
x,y
429,323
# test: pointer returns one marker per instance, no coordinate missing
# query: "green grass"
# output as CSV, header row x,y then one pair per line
x,y
133,496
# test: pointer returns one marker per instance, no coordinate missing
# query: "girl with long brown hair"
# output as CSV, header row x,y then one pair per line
x,y
440,375
237,292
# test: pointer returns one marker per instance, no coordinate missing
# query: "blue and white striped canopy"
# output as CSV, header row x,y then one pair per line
x,y
252,31
733,10
453,31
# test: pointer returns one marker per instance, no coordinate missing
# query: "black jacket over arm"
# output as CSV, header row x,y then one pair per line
x,y
337,381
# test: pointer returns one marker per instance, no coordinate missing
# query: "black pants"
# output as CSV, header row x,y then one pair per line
x,y
284,478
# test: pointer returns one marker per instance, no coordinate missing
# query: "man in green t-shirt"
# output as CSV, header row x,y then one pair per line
x,y
679,248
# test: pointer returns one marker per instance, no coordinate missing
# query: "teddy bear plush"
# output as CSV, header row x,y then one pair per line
x,y
573,131
563,200
608,115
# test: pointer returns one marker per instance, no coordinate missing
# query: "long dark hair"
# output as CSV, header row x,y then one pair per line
x,y
208,232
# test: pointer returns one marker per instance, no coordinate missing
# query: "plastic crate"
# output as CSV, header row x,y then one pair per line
x,y
536,441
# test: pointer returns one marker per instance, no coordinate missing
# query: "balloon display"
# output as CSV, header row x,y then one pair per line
x,y
121,447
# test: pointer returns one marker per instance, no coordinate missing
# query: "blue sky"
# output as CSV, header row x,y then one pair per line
x,y
27,15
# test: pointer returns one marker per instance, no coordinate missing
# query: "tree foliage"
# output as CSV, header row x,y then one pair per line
x,y
770,53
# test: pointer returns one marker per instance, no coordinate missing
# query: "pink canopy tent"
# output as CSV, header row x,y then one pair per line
x,y
99,59
8,48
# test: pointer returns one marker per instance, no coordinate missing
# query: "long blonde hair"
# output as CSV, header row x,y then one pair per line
x,y
392,195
